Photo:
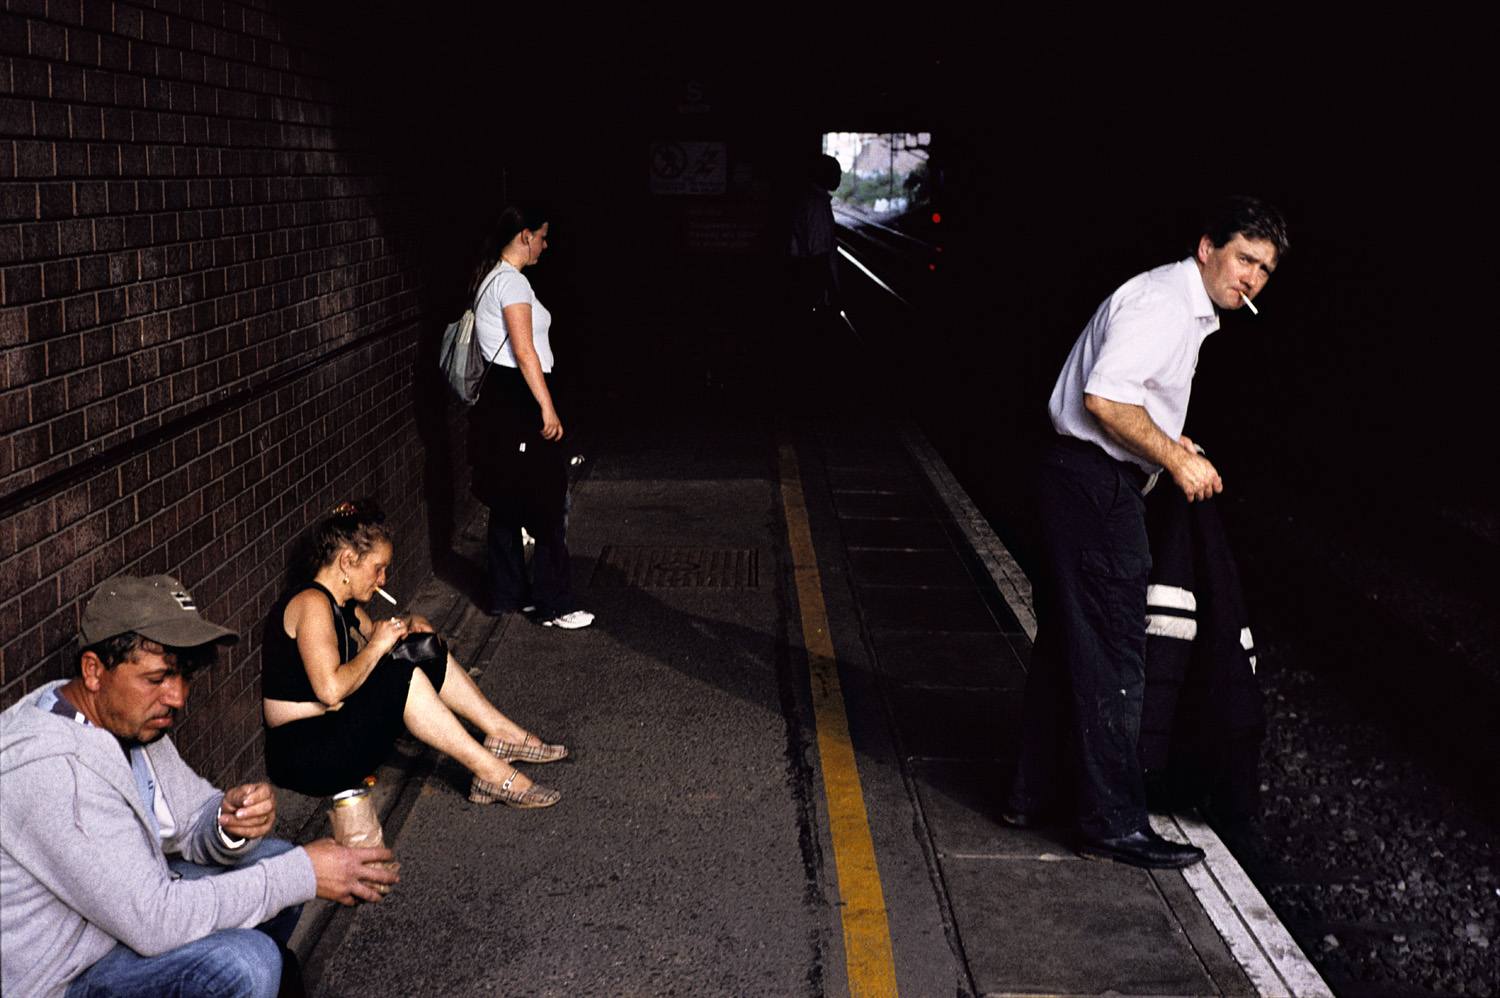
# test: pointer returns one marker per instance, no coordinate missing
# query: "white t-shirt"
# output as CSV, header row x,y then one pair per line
x,y
1140,348
505,285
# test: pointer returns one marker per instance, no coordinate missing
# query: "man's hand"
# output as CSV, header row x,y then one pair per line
x,y
248,811
1132,428
342,871
1193,473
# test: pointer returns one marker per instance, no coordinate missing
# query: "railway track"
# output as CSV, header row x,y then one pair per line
x,y
1378,839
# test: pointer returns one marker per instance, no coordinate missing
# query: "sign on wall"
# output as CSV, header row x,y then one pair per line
x,y
688,167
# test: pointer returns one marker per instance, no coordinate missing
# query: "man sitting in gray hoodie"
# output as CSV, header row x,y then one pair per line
x,y
123,872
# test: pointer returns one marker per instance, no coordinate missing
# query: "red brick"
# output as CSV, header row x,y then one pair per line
x,y
154,28
29,445
137,542
127,21
111,305
132,161
76,235
37,602
48,41
114,52
73,580
101,419
54,553
35,159
67,83
10,243
91,197
44,320
24,363
122,197
54,200
21,284
80,312
116,124
69,12
30,78
13,33
51,120
19,201
83,47
59,278
73,160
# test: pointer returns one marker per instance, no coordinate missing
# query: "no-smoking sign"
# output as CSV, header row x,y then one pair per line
x,y
688,167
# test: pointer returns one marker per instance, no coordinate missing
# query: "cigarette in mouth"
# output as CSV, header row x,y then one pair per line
x,y
1248,304
387,595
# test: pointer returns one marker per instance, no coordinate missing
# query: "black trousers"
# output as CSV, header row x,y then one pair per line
x,y
550,587
1082,708
523,479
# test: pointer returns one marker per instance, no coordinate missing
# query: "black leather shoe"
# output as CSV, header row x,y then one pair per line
x,y
1142,848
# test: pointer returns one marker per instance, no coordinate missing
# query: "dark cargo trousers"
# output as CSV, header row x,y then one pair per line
x,y
1084,690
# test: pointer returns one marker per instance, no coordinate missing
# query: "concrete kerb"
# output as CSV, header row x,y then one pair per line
x,y
398,783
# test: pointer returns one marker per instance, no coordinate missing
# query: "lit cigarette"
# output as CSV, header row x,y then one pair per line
x,y
387,595
1248,304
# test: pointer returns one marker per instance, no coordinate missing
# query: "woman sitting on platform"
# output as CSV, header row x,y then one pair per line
x,y
339,686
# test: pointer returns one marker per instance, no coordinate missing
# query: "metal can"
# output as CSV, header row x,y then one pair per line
x,y
349,798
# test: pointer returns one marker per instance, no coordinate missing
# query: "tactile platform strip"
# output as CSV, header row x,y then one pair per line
x,y
669,568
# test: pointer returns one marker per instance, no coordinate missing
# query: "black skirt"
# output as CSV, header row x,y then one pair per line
x,y
324,755
517,473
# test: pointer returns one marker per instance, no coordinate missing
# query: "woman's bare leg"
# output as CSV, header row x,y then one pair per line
x,y
429,719
462,696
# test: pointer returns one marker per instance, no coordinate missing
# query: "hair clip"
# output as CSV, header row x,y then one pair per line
x,y
345,508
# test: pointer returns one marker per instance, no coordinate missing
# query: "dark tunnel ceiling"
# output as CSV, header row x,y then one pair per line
x,y
878,66
859,64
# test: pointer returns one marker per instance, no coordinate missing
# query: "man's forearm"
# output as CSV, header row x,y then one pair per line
x,y
1133,428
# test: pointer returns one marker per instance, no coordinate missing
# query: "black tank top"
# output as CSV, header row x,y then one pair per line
x,y
282,674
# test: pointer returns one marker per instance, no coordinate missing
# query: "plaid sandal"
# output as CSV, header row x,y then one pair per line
x,y
520,751
482,791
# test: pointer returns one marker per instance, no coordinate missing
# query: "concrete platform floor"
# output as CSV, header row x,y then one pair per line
x,y
692,853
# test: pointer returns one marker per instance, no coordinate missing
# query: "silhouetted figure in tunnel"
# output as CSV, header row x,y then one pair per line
x,y
813,248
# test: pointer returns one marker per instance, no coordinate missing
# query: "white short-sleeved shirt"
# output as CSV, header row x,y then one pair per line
x,y
505,285
1140,348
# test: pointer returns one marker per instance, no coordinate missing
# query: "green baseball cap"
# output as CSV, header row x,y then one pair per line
x,y
158,608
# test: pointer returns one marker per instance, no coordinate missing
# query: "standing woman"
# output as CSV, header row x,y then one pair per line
x,y
515,437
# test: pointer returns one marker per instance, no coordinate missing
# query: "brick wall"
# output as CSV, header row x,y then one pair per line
x,y
222,268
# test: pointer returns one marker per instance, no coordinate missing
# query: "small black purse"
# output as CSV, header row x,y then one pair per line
x,y
419,648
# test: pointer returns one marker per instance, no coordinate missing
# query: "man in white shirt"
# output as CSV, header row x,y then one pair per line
x,y
1118,408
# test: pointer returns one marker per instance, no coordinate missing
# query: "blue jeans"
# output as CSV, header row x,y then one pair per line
x,y
231,963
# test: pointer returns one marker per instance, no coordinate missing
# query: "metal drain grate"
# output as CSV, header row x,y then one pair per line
x,y
671,568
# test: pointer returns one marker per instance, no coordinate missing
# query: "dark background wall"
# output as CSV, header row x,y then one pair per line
x,y
230,234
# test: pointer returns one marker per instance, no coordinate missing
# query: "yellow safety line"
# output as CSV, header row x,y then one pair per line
x,y
867,936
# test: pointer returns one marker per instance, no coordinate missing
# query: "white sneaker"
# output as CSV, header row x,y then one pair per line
x,y
571,621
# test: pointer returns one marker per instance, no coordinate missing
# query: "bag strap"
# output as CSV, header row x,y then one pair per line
x,y
504,340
